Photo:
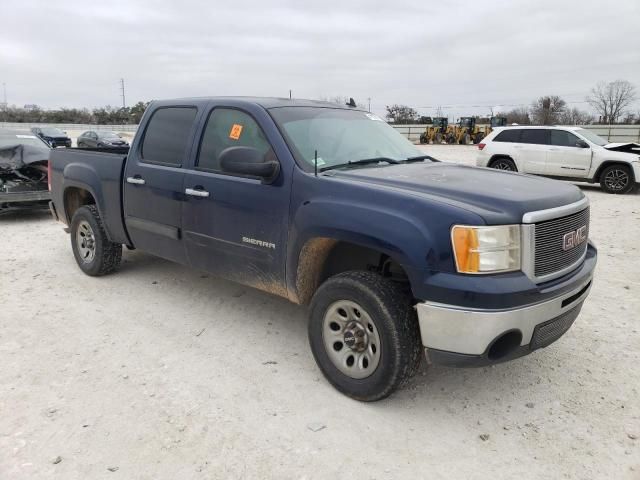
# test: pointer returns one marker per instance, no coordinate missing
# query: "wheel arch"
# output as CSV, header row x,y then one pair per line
x,y
608,163
322,257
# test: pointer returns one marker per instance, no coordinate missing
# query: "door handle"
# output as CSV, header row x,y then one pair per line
x,y
135,180
196,193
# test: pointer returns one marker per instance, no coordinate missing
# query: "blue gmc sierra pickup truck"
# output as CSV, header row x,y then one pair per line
x,y
397,255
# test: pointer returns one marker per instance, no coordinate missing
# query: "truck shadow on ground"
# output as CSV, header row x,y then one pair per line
x,y
187,284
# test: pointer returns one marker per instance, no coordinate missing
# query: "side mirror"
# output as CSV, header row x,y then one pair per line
x,y
582,144
250,162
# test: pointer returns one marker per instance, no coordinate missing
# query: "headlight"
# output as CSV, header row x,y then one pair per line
x,y
486,249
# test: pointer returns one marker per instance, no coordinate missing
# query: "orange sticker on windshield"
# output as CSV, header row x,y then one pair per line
x,y
235,131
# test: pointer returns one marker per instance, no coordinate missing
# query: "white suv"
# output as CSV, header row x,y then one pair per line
x,y
568,153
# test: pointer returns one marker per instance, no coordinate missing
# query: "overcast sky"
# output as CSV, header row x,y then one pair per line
x,y
467,54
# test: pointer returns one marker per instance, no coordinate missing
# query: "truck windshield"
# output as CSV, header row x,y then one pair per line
x,y
339,136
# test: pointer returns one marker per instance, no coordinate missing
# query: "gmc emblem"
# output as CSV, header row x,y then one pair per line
x,y
574,238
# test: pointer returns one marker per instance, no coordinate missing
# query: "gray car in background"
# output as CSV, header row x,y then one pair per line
x,y
99,139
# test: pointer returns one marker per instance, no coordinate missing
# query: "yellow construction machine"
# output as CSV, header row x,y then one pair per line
x,y
436,132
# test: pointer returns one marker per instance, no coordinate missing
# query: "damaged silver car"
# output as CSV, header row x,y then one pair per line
x,y
24,162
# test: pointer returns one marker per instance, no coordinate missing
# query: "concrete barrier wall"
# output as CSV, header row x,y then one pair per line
x,y
613,133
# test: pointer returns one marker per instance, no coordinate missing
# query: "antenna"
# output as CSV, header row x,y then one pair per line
x,y
122,94
315,162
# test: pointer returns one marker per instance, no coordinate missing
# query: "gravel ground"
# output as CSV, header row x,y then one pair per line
x,y
162,372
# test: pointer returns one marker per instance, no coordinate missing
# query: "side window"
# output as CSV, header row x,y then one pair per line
x,y
562,138
226,128
538,136
511,135
165,139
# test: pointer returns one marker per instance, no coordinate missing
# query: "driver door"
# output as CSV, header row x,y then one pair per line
x,y
565,158
235,226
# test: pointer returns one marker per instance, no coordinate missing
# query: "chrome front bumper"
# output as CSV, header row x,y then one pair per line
x,y
471,332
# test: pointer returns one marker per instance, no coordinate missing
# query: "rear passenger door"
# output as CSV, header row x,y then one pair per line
x,y
565,158
235,226
154,177
532,150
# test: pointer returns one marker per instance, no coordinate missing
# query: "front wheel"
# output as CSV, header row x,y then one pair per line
x,y
95,254
616,179
364,335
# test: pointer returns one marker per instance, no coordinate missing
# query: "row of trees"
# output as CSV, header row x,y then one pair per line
x,y
609,100
99,116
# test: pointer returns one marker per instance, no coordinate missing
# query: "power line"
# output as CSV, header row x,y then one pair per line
x,y
124,104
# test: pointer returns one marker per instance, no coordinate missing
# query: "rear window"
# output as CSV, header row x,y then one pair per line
x,y
165,139
510,135
535,136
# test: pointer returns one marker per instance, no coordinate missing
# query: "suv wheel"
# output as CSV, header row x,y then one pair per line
x,y
616,179
95,254
364,334
504,164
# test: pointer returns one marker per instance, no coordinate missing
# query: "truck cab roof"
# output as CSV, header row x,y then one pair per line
x,y
265,102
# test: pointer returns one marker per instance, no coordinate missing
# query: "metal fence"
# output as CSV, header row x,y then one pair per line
x,y
612,133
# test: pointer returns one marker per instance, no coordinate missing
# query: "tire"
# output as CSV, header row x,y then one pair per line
x,y
438,138
504,164
617,179
466,140
478,138
93,251
423,139
349,314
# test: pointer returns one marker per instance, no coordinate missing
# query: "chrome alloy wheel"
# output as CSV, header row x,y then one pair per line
x,y
616,179
86,242
351,339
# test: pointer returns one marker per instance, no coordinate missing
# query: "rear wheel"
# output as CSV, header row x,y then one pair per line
x,y
95,254
504,164
364,334
616,179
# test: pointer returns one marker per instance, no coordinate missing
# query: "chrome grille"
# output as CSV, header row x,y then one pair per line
x,y
549,254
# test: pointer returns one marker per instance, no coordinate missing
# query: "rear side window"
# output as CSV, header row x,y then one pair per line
x,y
535,136
226,128
165,139
562,138
511,135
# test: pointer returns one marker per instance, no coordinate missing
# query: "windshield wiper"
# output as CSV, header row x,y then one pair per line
x,y
365,161
419,158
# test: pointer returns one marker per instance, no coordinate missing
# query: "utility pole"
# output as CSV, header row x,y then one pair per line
x,y
124,104
369,100
289,94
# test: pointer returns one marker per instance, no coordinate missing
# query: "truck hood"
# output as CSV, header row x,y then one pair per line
x,y
498,197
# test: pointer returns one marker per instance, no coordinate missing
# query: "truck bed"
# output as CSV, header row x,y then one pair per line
x,y
98,171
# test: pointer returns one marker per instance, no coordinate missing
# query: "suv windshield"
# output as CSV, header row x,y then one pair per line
x,y
592,137
339,136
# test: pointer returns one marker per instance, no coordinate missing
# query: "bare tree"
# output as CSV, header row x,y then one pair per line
x,y
401,114
611,99
575,116
517,115
547,110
